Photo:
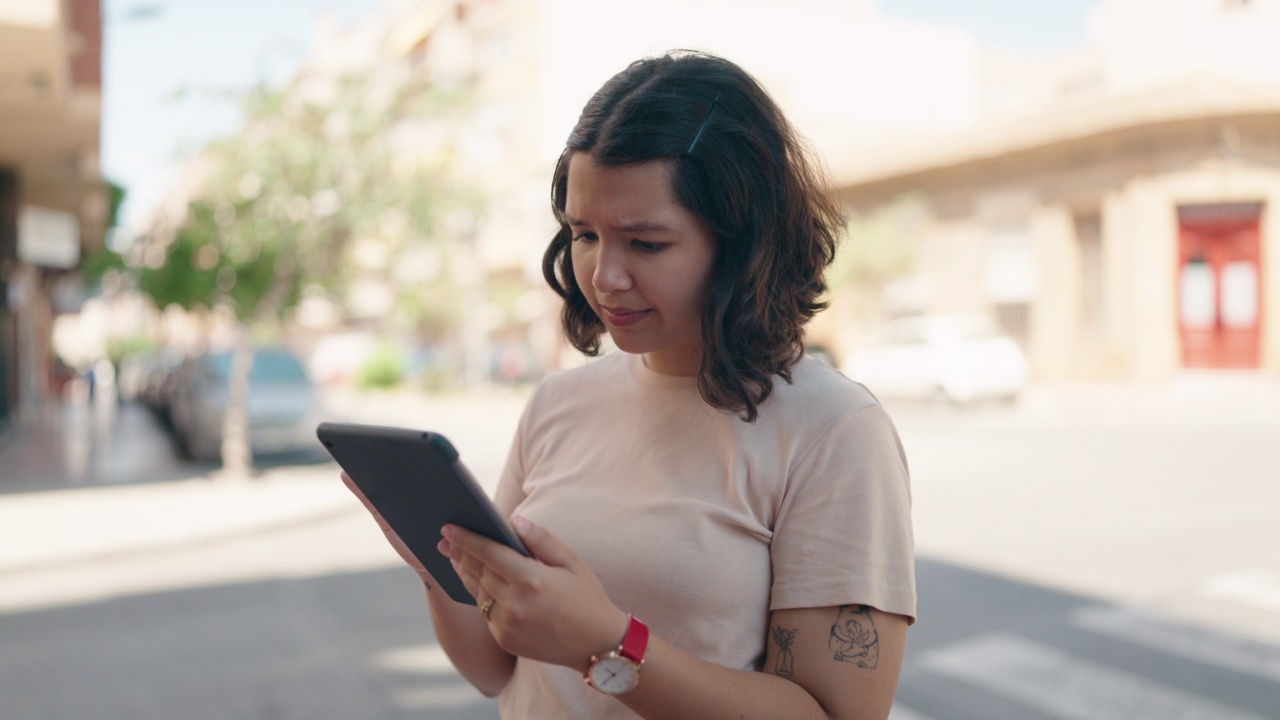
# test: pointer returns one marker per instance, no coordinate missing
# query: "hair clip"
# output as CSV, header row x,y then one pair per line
x,y
703,126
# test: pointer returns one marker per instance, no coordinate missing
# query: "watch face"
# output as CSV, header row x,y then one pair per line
x,y
614,674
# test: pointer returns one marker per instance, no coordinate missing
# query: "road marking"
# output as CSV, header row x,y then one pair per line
x,y
1068,687
897,712
429,659
435,697
1259,588
1204,646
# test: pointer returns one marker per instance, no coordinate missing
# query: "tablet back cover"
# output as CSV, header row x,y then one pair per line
x,y
416,482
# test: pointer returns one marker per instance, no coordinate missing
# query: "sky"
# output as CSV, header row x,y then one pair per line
x,y
170,65
1016,24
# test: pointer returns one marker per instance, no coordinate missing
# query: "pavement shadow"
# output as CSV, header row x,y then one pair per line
x,y
353,645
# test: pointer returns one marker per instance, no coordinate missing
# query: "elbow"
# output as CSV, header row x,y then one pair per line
x,y
488,687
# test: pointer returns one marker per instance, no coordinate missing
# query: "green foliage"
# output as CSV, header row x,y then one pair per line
x,y
384,369
104,260
880,247
98,263
285,200
120,348
202,267
180,281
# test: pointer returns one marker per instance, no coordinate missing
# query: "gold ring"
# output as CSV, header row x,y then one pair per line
x,y
485,607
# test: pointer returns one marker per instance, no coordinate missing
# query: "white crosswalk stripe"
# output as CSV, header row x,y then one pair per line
x,y
1204,646
899,712
1068,687
1257,588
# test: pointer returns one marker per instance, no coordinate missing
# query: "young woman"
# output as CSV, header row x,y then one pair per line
x,y
721,524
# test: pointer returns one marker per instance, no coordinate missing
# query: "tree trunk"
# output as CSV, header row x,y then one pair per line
x,y
237,457
237,453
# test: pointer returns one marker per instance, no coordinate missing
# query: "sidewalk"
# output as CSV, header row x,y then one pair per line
x,y
79,445
82,486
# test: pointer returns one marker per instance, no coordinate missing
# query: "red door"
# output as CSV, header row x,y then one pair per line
x,y
1219,285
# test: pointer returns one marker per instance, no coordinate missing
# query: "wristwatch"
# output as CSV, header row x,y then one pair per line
x,y
618,671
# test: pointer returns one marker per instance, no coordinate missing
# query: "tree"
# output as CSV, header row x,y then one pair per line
x,y
879,248
319,170
104,259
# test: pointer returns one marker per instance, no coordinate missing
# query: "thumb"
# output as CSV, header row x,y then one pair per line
x,y
545,547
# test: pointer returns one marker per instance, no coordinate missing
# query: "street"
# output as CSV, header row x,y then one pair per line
x,y
1095,556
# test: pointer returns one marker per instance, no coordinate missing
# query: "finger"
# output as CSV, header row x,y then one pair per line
x,y
355,490
475,575
497,558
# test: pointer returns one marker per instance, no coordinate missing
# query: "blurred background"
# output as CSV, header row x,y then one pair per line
x,y
222,222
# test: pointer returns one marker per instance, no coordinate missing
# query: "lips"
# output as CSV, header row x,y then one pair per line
x,y
622,317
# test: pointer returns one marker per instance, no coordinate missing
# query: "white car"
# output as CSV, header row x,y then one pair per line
x,y
953,359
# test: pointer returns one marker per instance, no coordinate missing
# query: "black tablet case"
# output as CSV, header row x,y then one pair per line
x,y
416,481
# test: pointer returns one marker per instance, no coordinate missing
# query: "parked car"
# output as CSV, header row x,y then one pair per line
x,y
952,359
283,404
155,382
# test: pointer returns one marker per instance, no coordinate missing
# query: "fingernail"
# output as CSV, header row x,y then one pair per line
x,y
445,547
447,531
521,523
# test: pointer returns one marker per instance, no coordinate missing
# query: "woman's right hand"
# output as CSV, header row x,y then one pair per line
x,y
392,537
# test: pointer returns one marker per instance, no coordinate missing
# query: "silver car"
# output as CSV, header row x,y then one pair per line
x,y
283,404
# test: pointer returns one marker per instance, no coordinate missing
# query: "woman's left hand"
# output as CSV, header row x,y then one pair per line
x,y
552,608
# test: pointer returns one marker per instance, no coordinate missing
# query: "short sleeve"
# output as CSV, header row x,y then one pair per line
x,y
510,491
843,531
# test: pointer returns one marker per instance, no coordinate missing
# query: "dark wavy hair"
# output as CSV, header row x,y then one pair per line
x,y
739,166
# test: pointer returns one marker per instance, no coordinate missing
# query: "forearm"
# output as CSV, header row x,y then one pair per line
x,y
465,637
676,685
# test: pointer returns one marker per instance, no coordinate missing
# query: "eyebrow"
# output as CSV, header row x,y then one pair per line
x,y
640,226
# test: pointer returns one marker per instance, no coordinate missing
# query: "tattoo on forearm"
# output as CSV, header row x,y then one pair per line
x,y
853,637
784,639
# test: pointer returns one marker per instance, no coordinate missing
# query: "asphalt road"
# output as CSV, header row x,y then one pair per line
x,y
1101,562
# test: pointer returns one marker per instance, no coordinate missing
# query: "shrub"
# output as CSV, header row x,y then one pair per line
x,y
383,370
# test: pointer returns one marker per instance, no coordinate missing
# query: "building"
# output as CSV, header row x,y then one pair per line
x,y
53,201
1114,208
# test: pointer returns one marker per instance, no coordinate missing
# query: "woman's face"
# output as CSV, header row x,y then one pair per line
x,y
642,260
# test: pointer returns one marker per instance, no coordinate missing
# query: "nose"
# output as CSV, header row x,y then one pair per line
x,y
611,273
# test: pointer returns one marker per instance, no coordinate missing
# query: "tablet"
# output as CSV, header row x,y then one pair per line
x,y
416,481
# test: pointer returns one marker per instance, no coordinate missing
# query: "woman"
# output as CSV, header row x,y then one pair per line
x,y
721,524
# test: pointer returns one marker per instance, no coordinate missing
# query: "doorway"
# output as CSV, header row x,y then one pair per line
x,y
1220,284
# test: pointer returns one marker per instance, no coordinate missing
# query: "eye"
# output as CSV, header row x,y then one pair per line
x,y
648,247
586,237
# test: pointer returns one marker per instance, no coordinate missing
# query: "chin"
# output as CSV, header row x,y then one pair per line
x,y
628,345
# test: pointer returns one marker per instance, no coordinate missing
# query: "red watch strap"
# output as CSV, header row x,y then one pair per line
x,y
635,641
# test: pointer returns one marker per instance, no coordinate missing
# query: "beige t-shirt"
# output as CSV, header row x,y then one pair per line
x,y
699,523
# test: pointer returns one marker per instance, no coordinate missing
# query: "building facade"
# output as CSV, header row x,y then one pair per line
x,y
1125,230
53,202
